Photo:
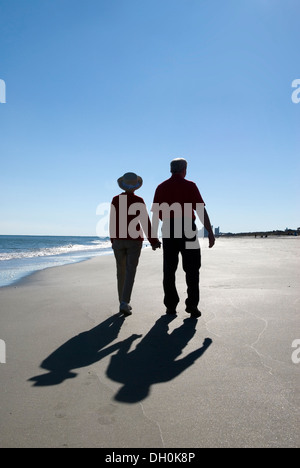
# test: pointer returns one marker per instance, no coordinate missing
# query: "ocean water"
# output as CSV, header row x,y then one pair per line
x,y
21,256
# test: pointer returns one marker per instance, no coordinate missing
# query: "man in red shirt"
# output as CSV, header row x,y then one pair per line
x,y
128,219
175,202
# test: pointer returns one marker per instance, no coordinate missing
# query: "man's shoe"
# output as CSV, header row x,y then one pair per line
x,y
171,312
125,308
194,311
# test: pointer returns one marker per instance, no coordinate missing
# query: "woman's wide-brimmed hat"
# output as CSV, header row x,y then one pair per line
x,y
130,182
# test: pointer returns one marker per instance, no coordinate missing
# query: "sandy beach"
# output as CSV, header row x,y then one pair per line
x,y
77,374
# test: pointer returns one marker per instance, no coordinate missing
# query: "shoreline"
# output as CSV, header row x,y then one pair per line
x,y
24,276
23,255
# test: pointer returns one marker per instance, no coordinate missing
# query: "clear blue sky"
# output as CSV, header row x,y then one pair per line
x,y
97,88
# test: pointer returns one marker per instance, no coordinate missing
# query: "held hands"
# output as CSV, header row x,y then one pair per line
x,y
157,245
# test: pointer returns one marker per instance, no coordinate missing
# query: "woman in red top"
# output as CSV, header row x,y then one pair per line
x,y
128,219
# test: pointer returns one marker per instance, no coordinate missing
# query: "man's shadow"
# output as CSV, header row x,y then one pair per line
x,y
80,351
154,359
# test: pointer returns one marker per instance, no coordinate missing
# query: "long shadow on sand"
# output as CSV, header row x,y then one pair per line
x,y
154,359
80,351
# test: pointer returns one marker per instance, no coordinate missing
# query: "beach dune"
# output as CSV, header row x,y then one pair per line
x,y
77,374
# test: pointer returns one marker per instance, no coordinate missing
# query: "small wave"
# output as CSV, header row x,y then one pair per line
x,y
58,250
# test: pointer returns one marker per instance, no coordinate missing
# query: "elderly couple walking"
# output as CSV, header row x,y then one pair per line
x,y
175,202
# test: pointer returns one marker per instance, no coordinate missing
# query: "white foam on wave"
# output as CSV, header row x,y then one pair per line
x,y
58,250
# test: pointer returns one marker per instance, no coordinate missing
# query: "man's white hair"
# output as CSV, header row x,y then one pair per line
x,y
178,165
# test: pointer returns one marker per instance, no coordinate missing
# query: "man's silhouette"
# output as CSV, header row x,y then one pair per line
x,y
180,235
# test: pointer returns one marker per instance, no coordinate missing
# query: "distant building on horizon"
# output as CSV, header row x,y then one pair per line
x,y
204,233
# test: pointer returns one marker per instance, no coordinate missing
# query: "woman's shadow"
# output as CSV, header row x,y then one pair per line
x,y
80,351
154,359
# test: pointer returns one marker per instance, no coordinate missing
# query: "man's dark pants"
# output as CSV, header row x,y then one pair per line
x,y
191,263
